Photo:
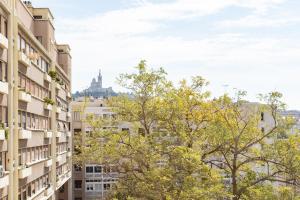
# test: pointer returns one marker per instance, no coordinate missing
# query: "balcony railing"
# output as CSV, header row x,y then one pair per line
x,y
2,134
3,42
62,179
23,58
58,86
25,172
69,134
4,181
47,77
48,134
24,134
69,95
24,96
48,163
49,191
48,106
3,87
58,110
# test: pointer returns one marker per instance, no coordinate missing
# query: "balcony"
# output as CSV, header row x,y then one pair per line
x,y
48,134
58,110
48,163
24,96
3,42
2,134
25,172
23,58
4,181
49,191
61,158
59,134
3,87
36,194
47,78
62,179
58,86
69,134
47,106
24,134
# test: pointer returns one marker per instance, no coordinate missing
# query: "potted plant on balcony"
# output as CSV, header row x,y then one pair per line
x,y
47,100
53,74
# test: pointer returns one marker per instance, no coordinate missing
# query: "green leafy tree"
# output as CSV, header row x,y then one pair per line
x,y
247,147
160,157
184,145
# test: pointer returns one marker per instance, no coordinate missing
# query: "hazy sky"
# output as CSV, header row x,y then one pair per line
x,y
252,45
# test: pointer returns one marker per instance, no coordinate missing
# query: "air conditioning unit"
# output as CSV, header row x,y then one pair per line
x,y
1,171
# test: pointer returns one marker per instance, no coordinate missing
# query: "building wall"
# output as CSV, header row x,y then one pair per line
x,y
35,137
96,178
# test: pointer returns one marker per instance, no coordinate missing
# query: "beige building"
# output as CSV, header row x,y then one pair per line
x,y
35,137
91,180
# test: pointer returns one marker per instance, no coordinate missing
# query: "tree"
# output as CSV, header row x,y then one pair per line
x,y
247,146
159,157
184,145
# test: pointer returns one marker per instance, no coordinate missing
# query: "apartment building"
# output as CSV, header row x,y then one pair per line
x,y
91,180
35,120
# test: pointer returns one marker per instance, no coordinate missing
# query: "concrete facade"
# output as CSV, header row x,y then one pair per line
x,y
35,137
91,180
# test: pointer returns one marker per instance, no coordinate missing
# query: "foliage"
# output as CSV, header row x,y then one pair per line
x,y
52,74
47,100
184,145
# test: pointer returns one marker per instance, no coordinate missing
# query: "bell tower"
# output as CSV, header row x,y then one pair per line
x,y
100,79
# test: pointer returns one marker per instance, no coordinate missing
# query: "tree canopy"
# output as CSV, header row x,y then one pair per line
x,y
183,144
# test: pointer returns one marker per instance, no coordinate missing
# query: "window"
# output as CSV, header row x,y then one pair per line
x,y
98,169
106,186
125,130
78,184
89,187
98,186
76,115
38,17
89,169
262,116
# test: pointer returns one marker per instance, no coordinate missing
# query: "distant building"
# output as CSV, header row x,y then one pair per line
x,y
295,114
96,90
92,180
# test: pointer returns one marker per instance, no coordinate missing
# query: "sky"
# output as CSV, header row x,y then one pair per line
x,y
251,45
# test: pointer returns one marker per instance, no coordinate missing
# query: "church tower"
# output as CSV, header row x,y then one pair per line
x,y
100,79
